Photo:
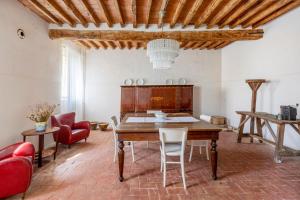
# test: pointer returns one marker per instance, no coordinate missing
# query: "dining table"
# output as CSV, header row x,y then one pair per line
x,y
145,127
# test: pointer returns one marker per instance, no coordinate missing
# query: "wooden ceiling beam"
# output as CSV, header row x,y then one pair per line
x,y
224,44
129,45
177,12
192,12
188,45
227,35
76,12
91,12
133,13
93,44
117,7
207,12
111,44
278,13
149,4
266,12
237,12
84,44
199,44
103,44
214,44
205,44
102,6
162,12
227,8
251,12
61,12
39,7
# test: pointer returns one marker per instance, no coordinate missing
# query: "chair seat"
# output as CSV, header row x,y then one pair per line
x,y
199,142
173,149
79,134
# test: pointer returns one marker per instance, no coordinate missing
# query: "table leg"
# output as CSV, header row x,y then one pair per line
x,y
121,160
279,143
214,159
24,138
56,147
40,150
252,124
259,128
241,129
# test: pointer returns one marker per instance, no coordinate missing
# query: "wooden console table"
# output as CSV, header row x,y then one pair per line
x,y
264,119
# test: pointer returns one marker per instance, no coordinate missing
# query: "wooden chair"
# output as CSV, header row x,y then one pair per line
x,y
173,141
114,124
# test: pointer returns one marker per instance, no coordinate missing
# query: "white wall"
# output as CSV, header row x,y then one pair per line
x,y
276,58
29,69
107,69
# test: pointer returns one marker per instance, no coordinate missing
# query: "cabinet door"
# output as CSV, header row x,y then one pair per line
x,y
142,101
127,99
163,98
185,99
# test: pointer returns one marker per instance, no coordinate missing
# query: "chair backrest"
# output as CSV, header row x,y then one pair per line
x,y
173,135
153,111
63,119
114,122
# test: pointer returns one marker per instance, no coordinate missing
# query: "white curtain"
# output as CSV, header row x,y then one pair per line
x,y
73,80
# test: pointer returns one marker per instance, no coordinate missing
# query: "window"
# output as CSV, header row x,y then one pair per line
x,y
72,80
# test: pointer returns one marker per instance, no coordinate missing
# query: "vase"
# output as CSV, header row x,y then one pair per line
x,y
40,126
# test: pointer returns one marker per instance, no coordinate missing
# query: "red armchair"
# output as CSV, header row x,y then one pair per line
x,y
16,168
70,132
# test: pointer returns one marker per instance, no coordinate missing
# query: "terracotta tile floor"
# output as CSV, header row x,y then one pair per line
x,y
86,171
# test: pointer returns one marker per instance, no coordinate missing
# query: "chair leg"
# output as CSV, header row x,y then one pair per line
x,y
132,151
165,174
85,139
207,152
200,149
23,196
183,173
69,146
191,153
115,153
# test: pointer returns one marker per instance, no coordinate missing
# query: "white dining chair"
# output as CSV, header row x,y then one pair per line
x,y
173,141
114,124
201,143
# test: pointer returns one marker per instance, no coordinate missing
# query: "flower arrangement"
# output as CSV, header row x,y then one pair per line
x,y
41,112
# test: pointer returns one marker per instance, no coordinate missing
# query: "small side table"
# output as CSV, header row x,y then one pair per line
x,y
41,152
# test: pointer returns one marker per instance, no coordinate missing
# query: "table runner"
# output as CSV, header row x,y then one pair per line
x,y
160,120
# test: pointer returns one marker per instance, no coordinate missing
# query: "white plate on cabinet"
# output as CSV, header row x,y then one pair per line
x,y
182,81
128,81
169,82
139,81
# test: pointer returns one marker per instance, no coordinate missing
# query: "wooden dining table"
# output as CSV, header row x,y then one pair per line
x,y
149,131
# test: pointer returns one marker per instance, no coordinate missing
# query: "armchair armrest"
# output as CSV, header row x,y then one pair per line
x,y
8,151
17,171
25,149
64,134
82,125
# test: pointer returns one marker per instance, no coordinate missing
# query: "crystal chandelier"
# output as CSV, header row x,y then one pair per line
x,y
162,52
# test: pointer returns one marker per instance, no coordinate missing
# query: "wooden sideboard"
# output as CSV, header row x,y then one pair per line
x,y
168,98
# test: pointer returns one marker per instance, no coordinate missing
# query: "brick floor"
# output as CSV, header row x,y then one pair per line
x,y
86,171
